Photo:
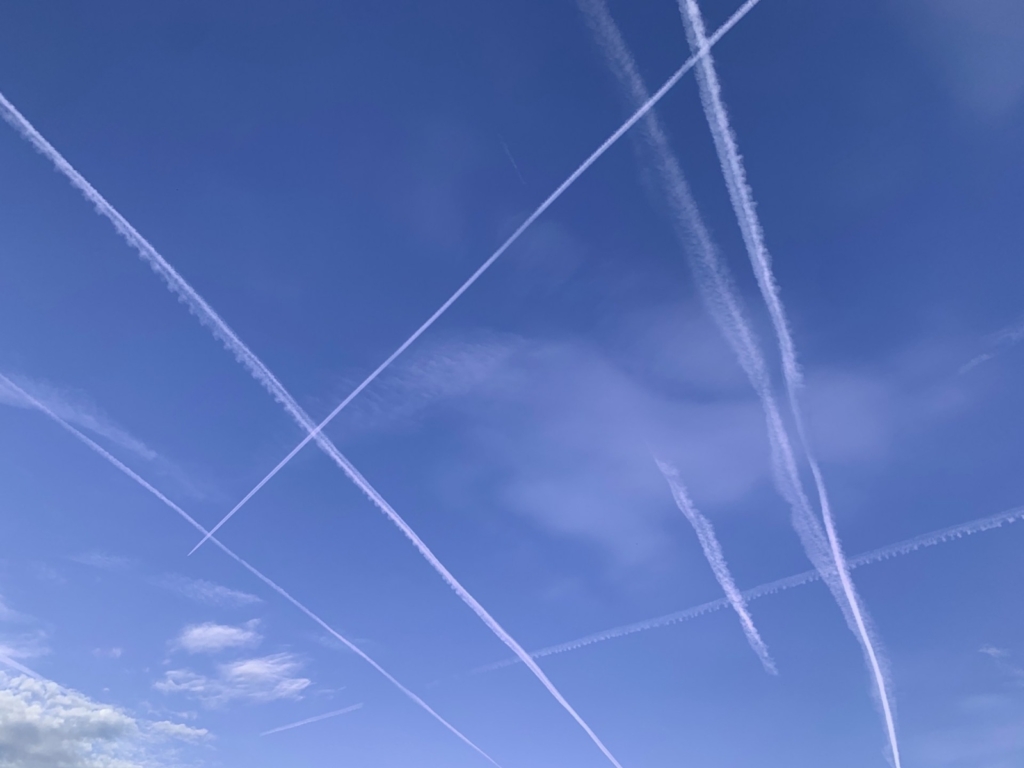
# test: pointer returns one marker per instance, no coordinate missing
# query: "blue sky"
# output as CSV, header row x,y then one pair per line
x,y
325,177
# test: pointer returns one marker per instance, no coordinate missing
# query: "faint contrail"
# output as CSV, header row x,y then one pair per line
x,y
279,590
719,295
263,375
898,549
19,667
753,237
508,154
316,719
716,559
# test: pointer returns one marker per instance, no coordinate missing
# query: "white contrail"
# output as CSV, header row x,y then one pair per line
x,y
316,719
263,375
279,590
508,154
641,111
888,552
753,237
719,295
716,559
19,667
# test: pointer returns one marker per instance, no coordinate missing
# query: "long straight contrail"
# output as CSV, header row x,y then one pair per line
x,y
316,719
266,580
641,111
753,237
716,559
719,295
900,548
263,375
266,378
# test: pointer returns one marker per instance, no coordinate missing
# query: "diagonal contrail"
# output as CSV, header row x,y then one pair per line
x,y
316,719
718,293
753,237
641,111
265,377
716,559
279,590
900,548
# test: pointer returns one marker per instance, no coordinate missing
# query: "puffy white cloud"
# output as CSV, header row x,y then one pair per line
x,y
207,592
255,680
43,725
212,638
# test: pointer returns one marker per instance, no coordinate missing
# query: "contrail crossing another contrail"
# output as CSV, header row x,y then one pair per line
x,y
266,580
753,237
900,548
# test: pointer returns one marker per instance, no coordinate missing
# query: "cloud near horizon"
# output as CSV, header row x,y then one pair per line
x,y
43,725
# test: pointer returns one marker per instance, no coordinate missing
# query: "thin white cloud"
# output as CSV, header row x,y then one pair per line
x,y
213,638
256,680
103,561
74,408
24,645
168,730
8,614
993,652
43,725
207,592
998,343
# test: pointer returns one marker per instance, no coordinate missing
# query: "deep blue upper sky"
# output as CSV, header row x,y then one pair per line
x,y
325,175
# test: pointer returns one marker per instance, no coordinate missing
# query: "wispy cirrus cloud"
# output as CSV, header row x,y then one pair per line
x,y
206,592
255,680
103,561
75,408
213,638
